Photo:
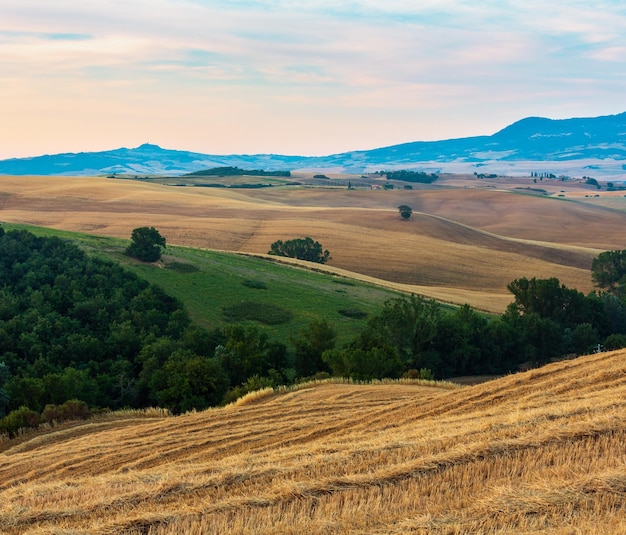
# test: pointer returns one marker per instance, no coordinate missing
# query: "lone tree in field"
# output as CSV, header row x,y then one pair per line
x,y
146,244
301,248
405,211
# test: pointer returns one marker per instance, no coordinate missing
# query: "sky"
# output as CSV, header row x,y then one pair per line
x,y
298,77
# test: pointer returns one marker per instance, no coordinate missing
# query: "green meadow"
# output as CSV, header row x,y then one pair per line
x,y
219,288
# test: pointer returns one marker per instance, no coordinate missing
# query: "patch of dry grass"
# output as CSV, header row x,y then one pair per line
x,y
541,451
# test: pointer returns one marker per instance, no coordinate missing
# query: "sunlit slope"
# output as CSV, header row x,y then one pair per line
x,y
541,451
461,245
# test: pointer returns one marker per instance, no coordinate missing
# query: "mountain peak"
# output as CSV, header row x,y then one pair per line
x,y
148,146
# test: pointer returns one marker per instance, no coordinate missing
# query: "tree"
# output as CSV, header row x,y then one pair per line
x,y
409,324
146,244
318,337
364,364
608,270
191,382
5,374
301,248
405,211
552,300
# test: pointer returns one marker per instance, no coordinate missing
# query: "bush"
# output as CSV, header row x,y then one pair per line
x,y
615,341
302,249
15,421
73,409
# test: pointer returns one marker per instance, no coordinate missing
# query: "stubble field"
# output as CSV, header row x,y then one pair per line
x,y
463,244
537,452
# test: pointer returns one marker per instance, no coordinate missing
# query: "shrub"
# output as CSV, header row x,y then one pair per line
x,y
22,418
302,249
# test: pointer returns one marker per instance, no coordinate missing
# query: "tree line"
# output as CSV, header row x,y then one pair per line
x,y
419,177
236,171
79,329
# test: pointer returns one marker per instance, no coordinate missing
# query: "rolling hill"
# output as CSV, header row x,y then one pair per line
x,y
535,452
577,147
464,243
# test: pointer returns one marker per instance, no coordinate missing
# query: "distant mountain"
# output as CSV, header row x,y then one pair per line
x,y
568,146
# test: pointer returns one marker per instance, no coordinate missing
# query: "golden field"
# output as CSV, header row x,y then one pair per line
x,y
466,240
537,452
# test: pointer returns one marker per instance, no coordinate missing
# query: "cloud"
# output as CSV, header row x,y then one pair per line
x,y
398,64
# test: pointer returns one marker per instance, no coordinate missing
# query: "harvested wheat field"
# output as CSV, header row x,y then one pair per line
x,y
537,452
461,245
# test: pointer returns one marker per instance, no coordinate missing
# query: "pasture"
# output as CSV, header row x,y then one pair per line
x,y
540,451
463,244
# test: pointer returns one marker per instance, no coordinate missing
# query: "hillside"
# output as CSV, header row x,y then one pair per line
x,y
540,451
577,147
463,244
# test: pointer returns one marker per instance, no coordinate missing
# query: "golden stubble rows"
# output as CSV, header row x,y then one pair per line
x,y
462,245
541,451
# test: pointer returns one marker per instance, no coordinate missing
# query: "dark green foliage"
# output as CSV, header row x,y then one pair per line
x,y
410,325
266,313
460,338
191,381
412,176
247,351
364,364
615,341
550,299
5,374
405,211
146,244
301,248
22,418
608,270
235,171
318,337
72,326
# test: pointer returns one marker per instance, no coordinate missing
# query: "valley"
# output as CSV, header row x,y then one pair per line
x,y
466,240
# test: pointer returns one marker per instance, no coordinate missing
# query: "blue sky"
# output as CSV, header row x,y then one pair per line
x,y
297,77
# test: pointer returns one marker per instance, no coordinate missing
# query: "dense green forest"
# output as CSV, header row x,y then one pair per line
x,y
78,332
411,176
236,171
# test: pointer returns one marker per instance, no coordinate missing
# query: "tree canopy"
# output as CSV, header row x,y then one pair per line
x,y
608,270
301,248
405,211
146,244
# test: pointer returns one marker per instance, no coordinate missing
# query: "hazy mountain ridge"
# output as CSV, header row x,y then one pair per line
x,y
565,146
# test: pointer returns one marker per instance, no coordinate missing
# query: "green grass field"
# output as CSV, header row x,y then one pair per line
x,y
218,288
